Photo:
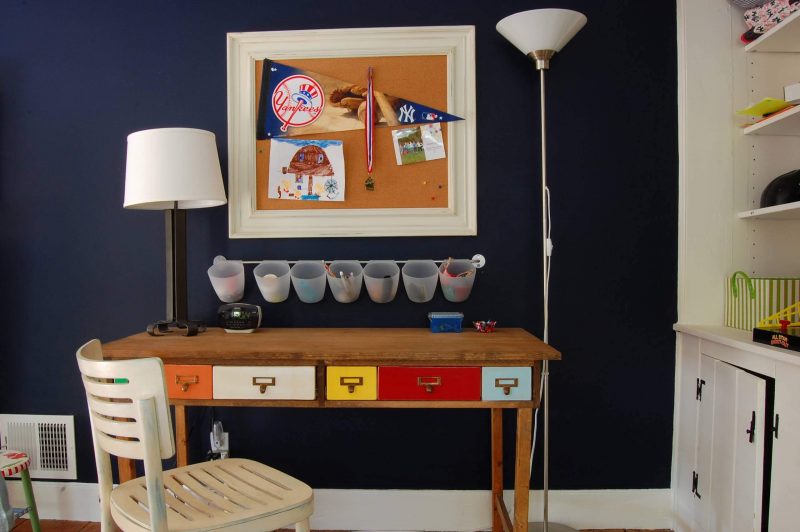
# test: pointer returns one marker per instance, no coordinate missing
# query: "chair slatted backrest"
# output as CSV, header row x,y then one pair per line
x,y
114,391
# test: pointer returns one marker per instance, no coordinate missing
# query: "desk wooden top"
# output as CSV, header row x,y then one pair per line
x,y
368,346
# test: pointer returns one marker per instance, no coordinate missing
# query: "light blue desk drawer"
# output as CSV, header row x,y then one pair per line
x,y
506,384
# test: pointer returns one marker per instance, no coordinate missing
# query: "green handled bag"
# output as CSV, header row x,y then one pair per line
x,y
748,300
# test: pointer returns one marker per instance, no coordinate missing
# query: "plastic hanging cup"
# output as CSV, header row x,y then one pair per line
x,y
457,277
272,277
227,278
420,278
308,279
381,278
344,278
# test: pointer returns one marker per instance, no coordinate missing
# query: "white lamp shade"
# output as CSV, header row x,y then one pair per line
x,y
541,29
170,165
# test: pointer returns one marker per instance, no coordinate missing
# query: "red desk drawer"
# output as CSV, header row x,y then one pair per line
x,y
400,383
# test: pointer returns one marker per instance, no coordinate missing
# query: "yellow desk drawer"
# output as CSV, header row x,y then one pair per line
x,y
352,383
264,382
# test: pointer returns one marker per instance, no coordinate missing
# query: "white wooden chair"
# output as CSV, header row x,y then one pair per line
x,y
130,418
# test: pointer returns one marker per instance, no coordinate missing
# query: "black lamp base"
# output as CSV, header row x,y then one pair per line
x,y
184,327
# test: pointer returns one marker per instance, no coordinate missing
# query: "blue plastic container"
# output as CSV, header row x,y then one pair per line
x,y
446,321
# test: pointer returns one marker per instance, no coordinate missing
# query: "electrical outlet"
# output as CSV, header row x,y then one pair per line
x,y
219,441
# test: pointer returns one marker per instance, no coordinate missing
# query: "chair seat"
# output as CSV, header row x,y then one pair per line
x,y
234,492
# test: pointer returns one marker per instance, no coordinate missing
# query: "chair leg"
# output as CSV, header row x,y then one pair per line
x,y
30,501
302,526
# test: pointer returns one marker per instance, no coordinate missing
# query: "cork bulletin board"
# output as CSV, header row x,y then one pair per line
x,y
433,66
422,185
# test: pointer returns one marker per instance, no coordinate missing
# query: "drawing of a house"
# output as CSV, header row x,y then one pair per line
x,y
309,161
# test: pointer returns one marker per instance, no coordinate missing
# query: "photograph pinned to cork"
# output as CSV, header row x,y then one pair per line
x,y
418,144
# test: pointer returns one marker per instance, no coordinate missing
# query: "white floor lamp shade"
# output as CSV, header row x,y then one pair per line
x,y
541,29
539,34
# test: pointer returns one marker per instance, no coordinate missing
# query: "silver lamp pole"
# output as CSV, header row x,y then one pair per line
x,y
540,33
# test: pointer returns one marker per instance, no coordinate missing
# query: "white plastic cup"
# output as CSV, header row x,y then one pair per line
x,y
457,277
308,279
344,278
420,278
273,280
381,278
227,278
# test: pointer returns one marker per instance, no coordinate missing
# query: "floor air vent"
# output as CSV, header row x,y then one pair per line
x,y
48,440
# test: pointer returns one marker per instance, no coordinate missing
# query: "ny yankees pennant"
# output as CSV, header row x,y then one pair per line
x,y
298,102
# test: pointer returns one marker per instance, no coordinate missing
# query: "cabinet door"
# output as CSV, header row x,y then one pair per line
x,y
728,467
705,436
686,427
748,465
737,465
784,514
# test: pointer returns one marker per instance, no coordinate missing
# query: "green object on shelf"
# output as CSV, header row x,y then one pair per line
x,y
748,300
764,107
747,282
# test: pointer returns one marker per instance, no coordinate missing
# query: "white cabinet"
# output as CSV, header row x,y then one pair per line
x,y
727,386
722,433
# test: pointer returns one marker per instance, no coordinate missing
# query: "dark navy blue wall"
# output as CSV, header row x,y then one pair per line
x,y
77,77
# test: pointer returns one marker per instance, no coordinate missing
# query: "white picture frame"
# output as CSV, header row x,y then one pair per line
x,y
244,49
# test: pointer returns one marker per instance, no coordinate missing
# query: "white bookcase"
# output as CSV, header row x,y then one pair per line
x,y
725,163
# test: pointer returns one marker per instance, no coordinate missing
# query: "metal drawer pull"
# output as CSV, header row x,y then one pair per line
x,y
185,380
263,382
506,384
429,382
351,383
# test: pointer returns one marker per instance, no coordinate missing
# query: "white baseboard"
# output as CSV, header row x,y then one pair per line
x,y
410,509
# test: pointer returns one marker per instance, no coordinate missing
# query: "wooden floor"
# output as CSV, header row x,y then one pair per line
x,y
23,525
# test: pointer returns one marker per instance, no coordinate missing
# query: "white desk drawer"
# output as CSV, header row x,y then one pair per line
x,y
264,382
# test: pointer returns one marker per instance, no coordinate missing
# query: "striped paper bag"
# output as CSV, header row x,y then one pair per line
x,y
748,300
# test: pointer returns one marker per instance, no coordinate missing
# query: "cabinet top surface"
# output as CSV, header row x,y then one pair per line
x,y
354,345
739,339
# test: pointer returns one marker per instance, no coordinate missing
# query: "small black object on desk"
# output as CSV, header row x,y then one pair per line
x,y
239,317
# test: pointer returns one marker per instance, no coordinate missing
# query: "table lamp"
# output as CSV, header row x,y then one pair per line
x,y
173,169
539,34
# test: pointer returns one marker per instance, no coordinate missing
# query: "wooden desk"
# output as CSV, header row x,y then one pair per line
x,y
323,348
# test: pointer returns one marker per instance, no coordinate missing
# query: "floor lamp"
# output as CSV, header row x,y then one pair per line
x,y
171,170
539,34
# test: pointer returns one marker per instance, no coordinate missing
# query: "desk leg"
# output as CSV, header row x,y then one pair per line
x,y
497,468
126,469
181,440
522,470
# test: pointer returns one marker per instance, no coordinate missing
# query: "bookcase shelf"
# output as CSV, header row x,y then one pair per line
x,y
782,123
785,37
787,211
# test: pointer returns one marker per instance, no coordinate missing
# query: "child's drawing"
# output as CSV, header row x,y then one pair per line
x,y
306,170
